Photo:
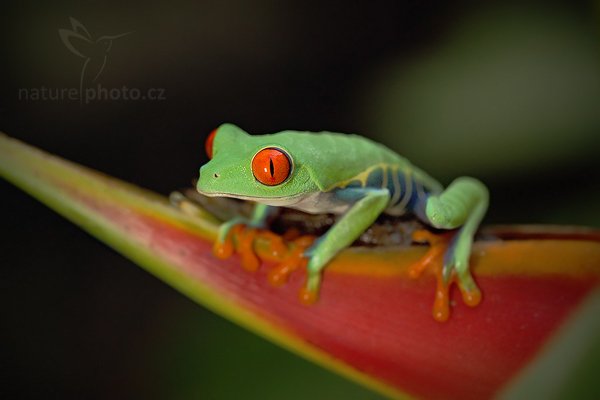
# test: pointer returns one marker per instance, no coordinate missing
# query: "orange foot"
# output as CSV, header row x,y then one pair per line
x,y
434,259
293,260
287,250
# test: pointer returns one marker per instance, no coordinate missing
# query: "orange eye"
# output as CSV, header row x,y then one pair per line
x,y
208,145
271,166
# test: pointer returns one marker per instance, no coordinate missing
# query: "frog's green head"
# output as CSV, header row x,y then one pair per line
x,y
260,168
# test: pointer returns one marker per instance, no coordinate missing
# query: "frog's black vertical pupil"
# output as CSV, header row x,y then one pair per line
x,y
271,166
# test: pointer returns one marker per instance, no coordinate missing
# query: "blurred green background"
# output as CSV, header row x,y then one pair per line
x,y
508,92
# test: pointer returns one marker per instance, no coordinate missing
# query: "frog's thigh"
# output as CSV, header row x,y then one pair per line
x,y
368,204
457,205
463,204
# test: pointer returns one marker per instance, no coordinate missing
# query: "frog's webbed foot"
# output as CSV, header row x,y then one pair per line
x,y
293,260
240,234
301,256
243,237
448,258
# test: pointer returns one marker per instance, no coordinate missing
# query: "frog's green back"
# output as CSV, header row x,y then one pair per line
x,y
322,161
334,159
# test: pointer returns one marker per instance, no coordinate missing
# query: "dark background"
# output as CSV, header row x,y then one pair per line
x,y
507,92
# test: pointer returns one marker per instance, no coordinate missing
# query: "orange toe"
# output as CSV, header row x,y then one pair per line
x,y
434,260
308,297
472,297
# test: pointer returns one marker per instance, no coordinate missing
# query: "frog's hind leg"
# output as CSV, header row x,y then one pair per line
x,y
457,258
462,205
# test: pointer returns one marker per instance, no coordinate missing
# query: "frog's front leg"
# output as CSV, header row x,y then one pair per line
x,y
367,205
462,205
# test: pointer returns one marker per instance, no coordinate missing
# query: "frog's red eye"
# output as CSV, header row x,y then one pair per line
x,y
208,145
271,166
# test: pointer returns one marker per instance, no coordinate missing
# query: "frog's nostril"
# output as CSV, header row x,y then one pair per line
x,y
216,175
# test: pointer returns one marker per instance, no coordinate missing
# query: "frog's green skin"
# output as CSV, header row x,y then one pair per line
x,y
348,175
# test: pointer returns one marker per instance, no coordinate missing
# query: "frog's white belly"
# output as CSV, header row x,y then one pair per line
x,y
313,203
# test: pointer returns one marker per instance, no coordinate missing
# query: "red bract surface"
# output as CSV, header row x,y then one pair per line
x,y
372,323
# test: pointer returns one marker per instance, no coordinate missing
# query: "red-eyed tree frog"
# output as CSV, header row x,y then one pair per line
x,y
342,174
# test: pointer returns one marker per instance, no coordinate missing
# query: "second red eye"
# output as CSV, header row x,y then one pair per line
x,y
208,145
271,166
